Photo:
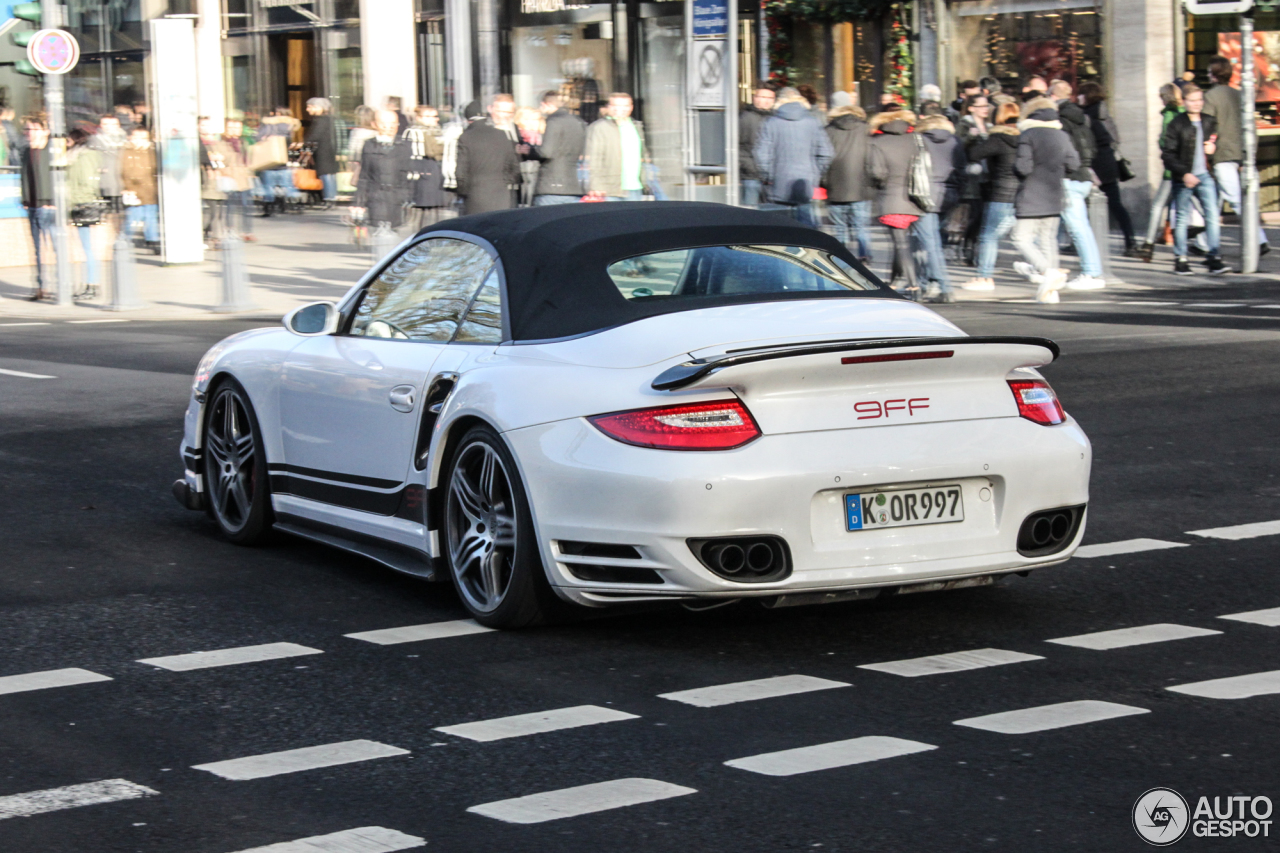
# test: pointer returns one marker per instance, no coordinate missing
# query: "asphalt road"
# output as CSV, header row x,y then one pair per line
x,y
99,569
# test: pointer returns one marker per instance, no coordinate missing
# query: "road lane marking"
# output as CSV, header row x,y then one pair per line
x,y
70,797
749,691
366,839
107,320
521,725
297,760
1239,531
1214,305
827,756
11,325
1269,617
231,657
48,678
1127,546
1142,635
1236,687
21,374
1045,717
583,799
1149,304
1276,307
950,662
413,633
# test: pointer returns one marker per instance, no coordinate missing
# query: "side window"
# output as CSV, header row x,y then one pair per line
x,y
422,294
483,323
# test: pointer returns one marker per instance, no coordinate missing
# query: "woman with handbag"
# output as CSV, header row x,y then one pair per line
x,y
84,179
1108,163
893,152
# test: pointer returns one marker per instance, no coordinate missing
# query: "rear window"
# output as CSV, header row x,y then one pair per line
x,y
733,271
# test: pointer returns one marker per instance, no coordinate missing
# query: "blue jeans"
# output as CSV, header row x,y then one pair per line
x,y
278,178
41,221
1227,176
90,262
927,230
546,199
1207,192
1075,218
855,216
750,192
330,191
149,216
996,222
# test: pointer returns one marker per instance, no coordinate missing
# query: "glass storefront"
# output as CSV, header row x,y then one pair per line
x,y
113,49
1064,43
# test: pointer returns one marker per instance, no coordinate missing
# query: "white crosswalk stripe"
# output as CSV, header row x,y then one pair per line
x,y
1236,687
1240,531
70,797
1127,546
414,633
366,839
950,662
1140,636
583,799
1269,617
22,374
297,760
750,691
231,657
827,756
1045,717
49,678
537,723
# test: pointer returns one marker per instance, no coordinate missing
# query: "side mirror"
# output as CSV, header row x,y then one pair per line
x,y
314,320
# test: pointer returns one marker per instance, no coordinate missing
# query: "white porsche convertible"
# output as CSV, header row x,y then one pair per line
x,y
606,403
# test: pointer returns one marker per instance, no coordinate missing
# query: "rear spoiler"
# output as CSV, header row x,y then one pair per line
x,y
683,375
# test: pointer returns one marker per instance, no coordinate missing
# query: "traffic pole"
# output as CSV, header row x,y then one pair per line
x,y
51,12
1250,220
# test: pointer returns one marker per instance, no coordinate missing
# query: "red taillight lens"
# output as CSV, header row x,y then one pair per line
x,y
1037,402
722,425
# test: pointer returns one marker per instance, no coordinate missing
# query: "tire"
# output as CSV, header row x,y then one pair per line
x,y
236,482
489,542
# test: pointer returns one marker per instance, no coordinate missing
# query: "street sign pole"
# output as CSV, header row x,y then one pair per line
x,y
56,108
732,194
1249,216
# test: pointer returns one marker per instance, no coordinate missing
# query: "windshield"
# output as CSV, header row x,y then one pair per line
x,y
733,271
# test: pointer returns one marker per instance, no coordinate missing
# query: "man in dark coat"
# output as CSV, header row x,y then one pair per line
x,y
1077,186
848,185
382,188
792,151
750,120
37,192
1187,148
562,144
488,165
322,143
1045,158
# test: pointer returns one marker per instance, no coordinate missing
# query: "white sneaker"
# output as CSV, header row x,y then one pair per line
x,y
1050,284
979,284
1048,297
1025,270
1086,282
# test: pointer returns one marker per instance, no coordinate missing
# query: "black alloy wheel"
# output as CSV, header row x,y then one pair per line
x,y
489,539
235,469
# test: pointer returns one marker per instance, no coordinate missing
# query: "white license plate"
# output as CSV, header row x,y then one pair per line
x,y
903,507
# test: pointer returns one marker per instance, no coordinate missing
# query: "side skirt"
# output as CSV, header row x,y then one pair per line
x,y
390,554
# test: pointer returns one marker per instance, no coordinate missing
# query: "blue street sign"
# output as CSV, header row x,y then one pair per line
x,y
710,19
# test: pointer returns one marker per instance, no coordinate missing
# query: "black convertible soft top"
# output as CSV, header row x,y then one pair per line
x,y
556,258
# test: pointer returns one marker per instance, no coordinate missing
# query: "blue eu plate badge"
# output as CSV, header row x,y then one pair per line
x,y
853,511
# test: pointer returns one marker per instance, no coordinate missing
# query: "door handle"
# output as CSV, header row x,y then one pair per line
x,y
402,398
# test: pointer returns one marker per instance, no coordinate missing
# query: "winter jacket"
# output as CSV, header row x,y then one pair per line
x,y
847,178
1077,125
84,175
488,167
383,186
750,120
108,146
1223,103
892,150
1178,144
426,176
1167,115
284,126
138,173
1045,158
563,143
1107,137
792,151
37,178
947,157
1000,151
324,145
226,160
604,155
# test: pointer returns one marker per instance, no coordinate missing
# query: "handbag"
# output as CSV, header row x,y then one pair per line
x,y
89,213
270,153
920,178
1123,169
306,180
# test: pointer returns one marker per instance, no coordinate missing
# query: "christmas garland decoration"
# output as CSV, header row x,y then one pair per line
x,y
780,13
898,58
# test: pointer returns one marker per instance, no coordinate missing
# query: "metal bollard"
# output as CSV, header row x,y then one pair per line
x,y
64,284
235,277
124,276
1100,220
382,241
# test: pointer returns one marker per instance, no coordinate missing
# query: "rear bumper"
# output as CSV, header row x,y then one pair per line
x,y
586,487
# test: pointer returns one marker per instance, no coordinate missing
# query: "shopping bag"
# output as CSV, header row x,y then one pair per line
x,y
306,180
270,153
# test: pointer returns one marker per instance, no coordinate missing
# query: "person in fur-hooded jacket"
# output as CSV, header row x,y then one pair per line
x,y
1045,157
847,181
948,161
893,147
999,149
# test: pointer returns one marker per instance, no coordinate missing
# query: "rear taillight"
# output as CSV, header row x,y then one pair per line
x,y
722,425
1037,402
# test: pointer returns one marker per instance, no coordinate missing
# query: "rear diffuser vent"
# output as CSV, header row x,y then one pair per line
x,y
604,550
612,574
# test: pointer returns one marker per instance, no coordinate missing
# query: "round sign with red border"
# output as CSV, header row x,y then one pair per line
x,y
53,51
